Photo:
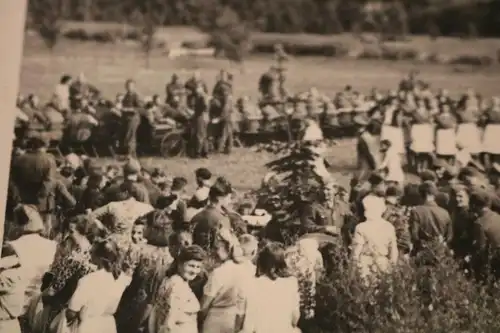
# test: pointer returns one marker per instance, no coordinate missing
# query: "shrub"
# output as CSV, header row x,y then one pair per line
x,y
472,59
305,48
196,44
77,34
398,53
103,37
414,299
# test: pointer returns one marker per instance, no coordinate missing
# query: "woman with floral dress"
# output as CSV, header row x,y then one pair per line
x,y
93,304
72,262
175,306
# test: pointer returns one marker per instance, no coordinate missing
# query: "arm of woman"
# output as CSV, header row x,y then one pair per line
x,y
79,300
295,296
212,287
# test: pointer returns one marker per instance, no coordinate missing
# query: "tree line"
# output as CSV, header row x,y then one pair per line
x,y
434,17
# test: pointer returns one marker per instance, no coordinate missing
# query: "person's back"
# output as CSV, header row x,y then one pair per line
x,y
433,222
205,224
276,302
96,299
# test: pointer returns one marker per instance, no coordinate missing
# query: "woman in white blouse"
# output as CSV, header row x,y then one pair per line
x,y
95,300
275,306
374,244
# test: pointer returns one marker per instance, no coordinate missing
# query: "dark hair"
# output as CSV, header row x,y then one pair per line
x,y
428,175
427,188
203,173
178,183
65,79
480,198
129,81
411,195
220,188
109,254
271,261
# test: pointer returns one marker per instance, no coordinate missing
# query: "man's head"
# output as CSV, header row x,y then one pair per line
x,y
479,200
428,191
203,176
130,85
470,176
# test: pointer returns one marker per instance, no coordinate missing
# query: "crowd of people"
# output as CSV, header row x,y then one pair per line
x,y
118,248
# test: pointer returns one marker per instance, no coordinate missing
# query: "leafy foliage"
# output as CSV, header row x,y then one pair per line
x,y
414,298
45,18
449,17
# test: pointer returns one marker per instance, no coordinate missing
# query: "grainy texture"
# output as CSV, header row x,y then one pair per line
x,y
108,66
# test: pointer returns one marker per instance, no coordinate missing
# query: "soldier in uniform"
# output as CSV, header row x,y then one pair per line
x,y
222,121
80,124
268,85
192,84
131,118
173,91
199,103
80,89
223,86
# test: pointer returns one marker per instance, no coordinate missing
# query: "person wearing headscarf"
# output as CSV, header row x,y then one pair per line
x,y
374,248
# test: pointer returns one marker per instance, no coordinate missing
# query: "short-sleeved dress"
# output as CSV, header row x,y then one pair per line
x,y
176,303
274,306
96,299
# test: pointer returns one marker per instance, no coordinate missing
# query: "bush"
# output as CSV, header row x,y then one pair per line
x,y
414,299
77,34
472,59
103,37
329,49
399,53
196,45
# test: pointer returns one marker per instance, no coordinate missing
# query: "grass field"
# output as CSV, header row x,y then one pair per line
x,y
109,66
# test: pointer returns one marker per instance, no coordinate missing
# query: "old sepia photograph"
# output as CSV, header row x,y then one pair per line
x,y
250,166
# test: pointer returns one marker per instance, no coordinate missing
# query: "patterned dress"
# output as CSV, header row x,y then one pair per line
x,y
305,272
149,272
66,271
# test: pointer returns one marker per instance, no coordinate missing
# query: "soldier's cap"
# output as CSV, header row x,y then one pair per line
x,y
480,198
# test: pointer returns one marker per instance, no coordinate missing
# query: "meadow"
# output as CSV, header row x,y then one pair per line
x,y
343,305
109,65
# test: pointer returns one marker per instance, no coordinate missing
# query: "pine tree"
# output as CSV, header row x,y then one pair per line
x,y
299,184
